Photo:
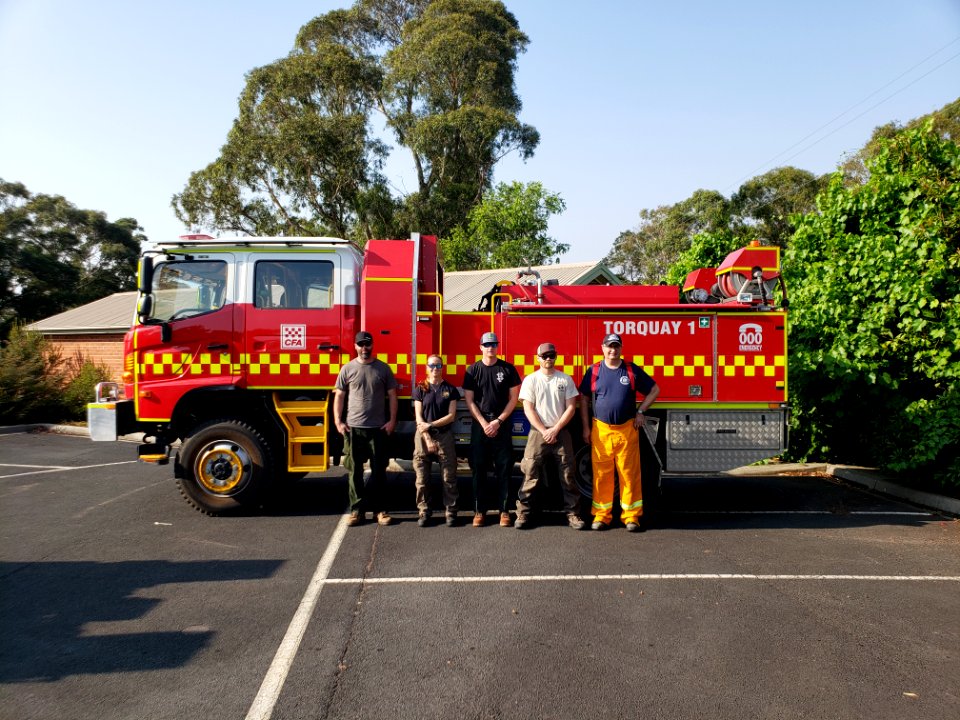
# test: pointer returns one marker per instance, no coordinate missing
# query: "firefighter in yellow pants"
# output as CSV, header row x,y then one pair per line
x,y
616,446
612,385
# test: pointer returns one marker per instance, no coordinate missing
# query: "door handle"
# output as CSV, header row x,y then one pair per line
x,y
328,346
218,346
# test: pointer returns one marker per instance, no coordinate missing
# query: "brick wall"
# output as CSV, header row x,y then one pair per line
x,y
106,350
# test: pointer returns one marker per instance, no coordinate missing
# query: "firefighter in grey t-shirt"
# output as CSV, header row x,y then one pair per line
x,y
366,387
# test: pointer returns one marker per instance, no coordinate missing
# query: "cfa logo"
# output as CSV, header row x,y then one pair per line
x,y
751,337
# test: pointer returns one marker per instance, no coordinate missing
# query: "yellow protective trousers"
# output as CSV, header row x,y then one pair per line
x,y
616,447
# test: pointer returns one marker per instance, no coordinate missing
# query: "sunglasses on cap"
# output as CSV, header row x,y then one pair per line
x,y
549,356
435,366
490,344
365,343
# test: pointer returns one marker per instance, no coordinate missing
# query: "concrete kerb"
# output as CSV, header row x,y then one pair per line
x,y
869,478
876,481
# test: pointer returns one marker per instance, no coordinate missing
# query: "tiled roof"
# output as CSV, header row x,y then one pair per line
x,y
112,314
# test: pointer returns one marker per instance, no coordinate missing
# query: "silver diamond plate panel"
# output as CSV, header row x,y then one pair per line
x,y
710,461
730,430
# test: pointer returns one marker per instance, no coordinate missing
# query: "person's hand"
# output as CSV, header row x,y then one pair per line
x,y
639,421
390,426
550,436
423,426
342,427
491,428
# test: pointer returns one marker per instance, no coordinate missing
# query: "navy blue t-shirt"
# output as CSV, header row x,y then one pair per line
x,y
436,399
615,403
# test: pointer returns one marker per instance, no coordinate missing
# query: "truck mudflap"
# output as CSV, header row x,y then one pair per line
x,y
719,440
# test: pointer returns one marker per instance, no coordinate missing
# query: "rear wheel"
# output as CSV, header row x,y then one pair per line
x,y
583,471
224,465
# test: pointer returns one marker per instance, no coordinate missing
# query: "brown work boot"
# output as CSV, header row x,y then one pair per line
x,y
479,519
384,519
505,520
356,517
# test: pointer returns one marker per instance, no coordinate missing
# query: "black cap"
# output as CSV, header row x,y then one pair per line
x,y
613,339
363,336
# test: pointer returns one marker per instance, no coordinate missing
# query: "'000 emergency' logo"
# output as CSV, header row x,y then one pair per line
x,y
751,337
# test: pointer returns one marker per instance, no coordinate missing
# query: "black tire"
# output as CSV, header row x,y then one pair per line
x,y
224,466
650,479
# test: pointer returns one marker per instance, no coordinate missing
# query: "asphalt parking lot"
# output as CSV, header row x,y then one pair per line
x,y
750,597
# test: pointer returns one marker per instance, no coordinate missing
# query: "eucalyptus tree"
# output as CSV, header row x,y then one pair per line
x,y
508,228
55,256
306,153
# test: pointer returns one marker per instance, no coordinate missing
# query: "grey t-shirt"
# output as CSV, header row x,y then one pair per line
x,y
365,387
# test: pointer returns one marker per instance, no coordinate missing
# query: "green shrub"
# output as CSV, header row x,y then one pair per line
x,y
84,375
875,321
31,378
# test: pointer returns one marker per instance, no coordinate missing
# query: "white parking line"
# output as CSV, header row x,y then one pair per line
x,y
59,468
641,576
32,466
801,512
266,699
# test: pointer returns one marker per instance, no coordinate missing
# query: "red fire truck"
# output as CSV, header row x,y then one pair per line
x,y
238,343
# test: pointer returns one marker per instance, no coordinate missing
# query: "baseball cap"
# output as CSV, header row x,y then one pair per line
x,y
363,336
489,338
545,348
612,339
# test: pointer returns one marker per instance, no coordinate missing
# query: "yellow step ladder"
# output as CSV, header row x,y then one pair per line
x,y
306,422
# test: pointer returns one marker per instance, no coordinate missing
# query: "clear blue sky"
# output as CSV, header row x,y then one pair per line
x,y
113,104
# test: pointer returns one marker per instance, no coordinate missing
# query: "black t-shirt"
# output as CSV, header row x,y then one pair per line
x,y
491,385
436,400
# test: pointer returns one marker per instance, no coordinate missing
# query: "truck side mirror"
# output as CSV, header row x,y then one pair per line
x,y
145,276
144,307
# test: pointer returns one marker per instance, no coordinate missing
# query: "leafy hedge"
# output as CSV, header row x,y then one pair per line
x,y
874,280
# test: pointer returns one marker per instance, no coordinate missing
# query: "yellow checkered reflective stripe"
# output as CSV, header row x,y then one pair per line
x,y
529,364
661,366
170,365
750,366
454,365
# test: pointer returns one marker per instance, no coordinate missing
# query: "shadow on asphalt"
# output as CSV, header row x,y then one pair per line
x,y
715,502
46,606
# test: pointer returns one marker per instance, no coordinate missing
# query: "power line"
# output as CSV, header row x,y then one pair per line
x,y
853,107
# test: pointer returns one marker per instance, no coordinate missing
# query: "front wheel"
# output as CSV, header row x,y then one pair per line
x,y
223,466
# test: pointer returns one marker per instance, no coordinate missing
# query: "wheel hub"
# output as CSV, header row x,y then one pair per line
x,y
223,468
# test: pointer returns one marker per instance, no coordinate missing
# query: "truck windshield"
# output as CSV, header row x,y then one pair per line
x,y
188,288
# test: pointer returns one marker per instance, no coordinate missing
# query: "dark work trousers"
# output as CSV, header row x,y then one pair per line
x,y
360,445
532,466
485,451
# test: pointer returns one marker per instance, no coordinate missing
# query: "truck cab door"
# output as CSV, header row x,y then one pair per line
x,y
293,323
188,341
